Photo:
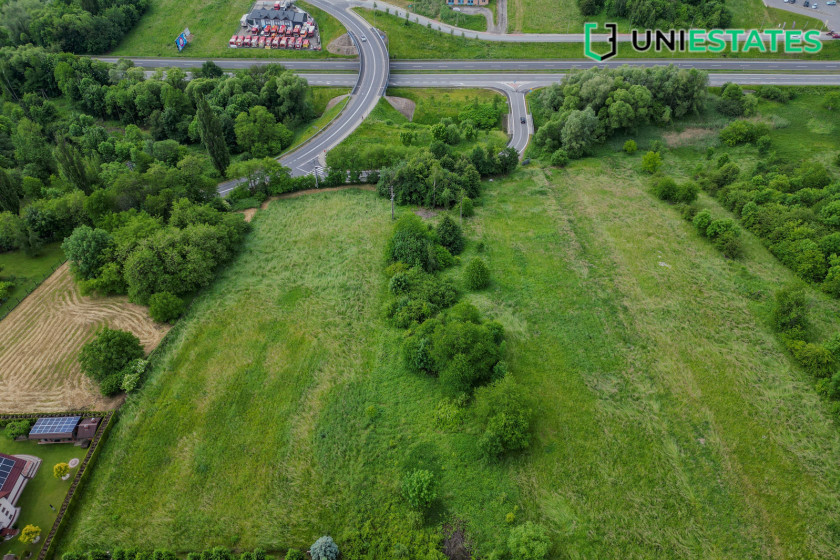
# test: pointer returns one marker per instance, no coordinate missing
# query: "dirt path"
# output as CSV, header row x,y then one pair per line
x,y
40,342
334,101
403,105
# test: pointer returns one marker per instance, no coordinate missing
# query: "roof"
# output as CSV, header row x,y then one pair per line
x,y
279,15
87,428
54,427
10,470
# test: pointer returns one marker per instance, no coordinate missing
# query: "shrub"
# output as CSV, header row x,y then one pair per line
x,y
529,541
104,357
687,192
443,257
665,188
467,208
476,274
450,235
763,144
61,470
165,307
630,147
790,312
17,429
29,533
701,222
324,549
294,554
651,162
814,358
729,243
503,412
560,158
410,243
6,289
419,489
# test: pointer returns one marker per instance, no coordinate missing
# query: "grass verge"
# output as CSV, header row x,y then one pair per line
x,y
27,272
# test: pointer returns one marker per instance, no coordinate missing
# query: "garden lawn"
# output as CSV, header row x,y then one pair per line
x,y
28,272
41,491
212,24
415,41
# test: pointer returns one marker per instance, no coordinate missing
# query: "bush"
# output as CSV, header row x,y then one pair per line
x,y
529,541
467,209
6,289
560,158
61,470
651,162
503,412
790,312
165,307
701,222
665,188
294,554
17,429
450,235
729,243
814,358
630,147
476,274
324,549
410,243
104,357
419,489
763,144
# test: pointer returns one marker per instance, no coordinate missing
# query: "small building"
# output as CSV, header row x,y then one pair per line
x,y
87,429
55,429
15,472
467,2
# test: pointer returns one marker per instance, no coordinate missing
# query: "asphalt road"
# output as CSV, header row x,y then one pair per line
x,y
713,64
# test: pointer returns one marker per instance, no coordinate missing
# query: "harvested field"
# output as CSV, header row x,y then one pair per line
x,y
41,338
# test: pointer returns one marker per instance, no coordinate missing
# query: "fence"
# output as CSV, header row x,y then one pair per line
x,y
30,289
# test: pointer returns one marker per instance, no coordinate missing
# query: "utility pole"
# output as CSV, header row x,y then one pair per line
x,y
392,201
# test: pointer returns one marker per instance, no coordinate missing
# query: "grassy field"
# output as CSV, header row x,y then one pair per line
x,y
432,105
551,16
40,492
417,42
212,24
27,271
382,128
670,423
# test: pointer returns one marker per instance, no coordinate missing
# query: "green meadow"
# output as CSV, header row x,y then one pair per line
x,y
670,423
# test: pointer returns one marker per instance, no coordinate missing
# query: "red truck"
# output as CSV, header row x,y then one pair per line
x,y
306,43
297,30
298,42
232,42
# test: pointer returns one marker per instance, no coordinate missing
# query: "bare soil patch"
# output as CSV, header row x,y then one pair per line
x,y
687,137
40,342
249,214
425,213
342,45
403,105
334,101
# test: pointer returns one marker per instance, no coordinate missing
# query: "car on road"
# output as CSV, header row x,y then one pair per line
x,y
814,5
364,39
522,120
831,3
807,4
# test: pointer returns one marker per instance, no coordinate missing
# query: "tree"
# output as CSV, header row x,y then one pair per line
x,y
212,135
579,132
651,162
407,137
109,353
88,250
560,158
17,429
529,541
210,70
450,235
324,549
29,534
502,409
61,470
476,274
790,312
73,166
165,307
419,489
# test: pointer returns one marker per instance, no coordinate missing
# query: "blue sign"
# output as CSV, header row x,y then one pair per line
x,y
181,42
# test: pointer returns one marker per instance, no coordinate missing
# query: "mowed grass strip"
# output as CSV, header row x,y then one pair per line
x,y
226,424
670,424
212,24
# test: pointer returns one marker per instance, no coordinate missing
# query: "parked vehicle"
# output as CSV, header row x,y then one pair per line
x,y
255,29
277,5
306,43
282,42
246,42
814,5
311,31
298,43
807,4
297,30
232,42
261,42
831,3
282,30
275,42
239,40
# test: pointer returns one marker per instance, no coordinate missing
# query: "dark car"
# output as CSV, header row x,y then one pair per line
x,y
806,4
522,120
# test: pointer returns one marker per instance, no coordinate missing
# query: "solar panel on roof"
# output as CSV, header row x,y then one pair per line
x,y
55,425
6,466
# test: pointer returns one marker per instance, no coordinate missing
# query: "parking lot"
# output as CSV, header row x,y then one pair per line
x,y
276,25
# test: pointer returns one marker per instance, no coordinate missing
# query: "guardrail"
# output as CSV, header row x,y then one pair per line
x,y
32,288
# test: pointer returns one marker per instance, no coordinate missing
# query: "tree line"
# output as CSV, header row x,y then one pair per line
x,y
590,106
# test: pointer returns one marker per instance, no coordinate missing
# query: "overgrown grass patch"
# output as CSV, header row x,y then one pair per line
x,y
432,105
27,272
